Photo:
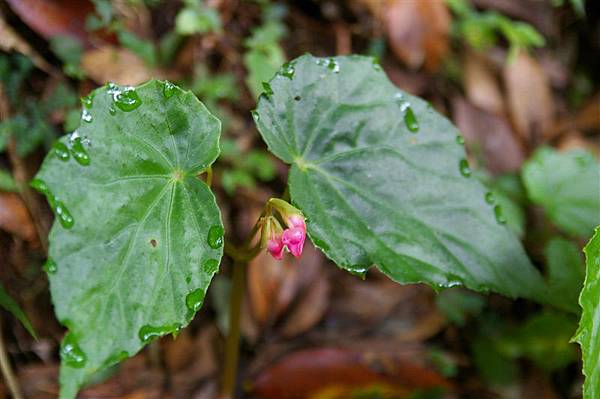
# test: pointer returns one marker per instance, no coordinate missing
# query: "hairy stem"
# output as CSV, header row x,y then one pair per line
x,y
7,372
232,343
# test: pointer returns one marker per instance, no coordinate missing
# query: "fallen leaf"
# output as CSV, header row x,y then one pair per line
x,y
308,373
310,309
529,97
418,31
15,218
491,134
55,17
480,83
117,65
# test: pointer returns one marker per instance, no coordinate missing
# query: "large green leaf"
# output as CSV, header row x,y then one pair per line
x,y
138,235
567,186
588,334
384,181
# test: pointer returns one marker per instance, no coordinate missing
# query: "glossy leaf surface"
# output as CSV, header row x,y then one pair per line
x,y
137,236
383,180
588,334
567,186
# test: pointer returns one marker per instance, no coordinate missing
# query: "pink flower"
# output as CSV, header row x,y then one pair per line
x,y
275,247
293,238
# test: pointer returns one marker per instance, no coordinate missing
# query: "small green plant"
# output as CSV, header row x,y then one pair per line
x,y
377,178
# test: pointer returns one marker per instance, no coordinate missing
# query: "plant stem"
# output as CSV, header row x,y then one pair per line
x,y
7,373
232,343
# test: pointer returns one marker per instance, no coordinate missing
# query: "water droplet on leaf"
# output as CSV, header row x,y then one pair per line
x,y
410,120
194,299
88,101
70,352
333,65
215,236
61,151
464,168
62,213
255,115
79,152
86,116
460,140
126,98
40,186
490,198
50,266
112,110
288,70
499,216
148,333
210,266
267,88
376,64
168,89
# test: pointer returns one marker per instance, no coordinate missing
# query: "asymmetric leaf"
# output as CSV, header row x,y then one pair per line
x,y
383,180
138,235
588,334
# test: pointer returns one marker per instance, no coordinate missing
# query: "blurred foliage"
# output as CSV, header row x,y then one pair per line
x,y
565,269
9,304
245,169
69,51
265,55
7,183
197,17
457,304
482,29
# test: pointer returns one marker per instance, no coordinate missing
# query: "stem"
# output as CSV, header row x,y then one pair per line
x,y
9,376
232,343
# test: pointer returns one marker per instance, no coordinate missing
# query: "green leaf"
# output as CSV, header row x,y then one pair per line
x,y
13,307
567,186
588,334
7,182
138,236
565,271
383,180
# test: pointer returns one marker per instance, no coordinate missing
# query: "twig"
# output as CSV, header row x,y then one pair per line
x,y
7,372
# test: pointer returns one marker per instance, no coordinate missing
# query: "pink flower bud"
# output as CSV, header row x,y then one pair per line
x,y
293,238
275,247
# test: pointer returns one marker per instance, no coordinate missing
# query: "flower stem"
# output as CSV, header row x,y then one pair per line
x,y
232,343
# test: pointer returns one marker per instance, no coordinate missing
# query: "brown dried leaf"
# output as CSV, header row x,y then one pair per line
x,y
310,309
480,84
418,31
54,17
115,64
310,372
15,218
530,101
491,134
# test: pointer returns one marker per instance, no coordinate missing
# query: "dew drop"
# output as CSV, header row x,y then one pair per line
x,y
499,216
126,98
148,333
88,101
86,116
210,266
490,198
112,110
194,300
188,279
410,120
40,186
79,152
376,64
61,212
333,65
460,139
50,266
61,151
215,236
71,353
267,88
464,168
168,89
255,115
288,70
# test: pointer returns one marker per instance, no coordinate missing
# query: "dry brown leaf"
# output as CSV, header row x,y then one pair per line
x,y
481,85
491,134
586,119
54,17
530,101
117,65
310,309
15,218
339,371
418,31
